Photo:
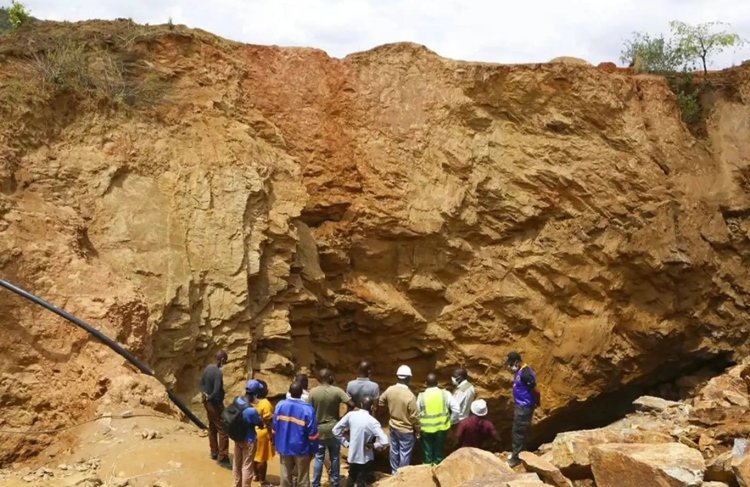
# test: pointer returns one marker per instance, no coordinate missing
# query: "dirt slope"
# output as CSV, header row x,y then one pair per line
x,y
188,194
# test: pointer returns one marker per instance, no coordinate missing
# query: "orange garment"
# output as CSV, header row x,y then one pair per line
x,y
264,450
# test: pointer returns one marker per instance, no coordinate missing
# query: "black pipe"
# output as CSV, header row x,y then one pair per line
x,y
104,339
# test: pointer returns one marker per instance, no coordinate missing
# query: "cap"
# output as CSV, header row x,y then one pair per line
x,y
479,407
513,357
253,386
403,371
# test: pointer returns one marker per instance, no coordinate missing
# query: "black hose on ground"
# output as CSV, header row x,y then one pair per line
x,y
105,340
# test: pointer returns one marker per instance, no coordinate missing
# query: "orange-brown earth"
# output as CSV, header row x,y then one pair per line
x,y
186,194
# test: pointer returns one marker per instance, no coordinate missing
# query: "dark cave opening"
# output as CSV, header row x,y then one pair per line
x,y
672,381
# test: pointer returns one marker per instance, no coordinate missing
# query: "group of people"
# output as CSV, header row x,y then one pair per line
x,y
306,426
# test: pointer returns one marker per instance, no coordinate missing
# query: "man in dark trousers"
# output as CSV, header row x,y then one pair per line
x,y
326,399
365,436
212,393
526,398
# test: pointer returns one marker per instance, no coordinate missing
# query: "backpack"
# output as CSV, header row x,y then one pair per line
x,y
233,423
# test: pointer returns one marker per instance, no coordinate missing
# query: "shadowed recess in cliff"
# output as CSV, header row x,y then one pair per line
x,y
606,408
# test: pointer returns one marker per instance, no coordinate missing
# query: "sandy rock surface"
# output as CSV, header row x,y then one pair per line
x,y
546,470
741,469
660,465
414,475
469,464
506,480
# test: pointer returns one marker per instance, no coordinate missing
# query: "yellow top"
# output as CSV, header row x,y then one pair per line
x,y
264,447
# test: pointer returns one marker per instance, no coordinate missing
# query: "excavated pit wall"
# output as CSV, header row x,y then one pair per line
x,y
302,211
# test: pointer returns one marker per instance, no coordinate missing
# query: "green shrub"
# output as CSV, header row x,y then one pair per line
x,y
17,14
687,92
690,107
651,54
676,55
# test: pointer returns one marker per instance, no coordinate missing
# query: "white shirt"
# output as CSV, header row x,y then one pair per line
x,y
305,396
461,401
363,428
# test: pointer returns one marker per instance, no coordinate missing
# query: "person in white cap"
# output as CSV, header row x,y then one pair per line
x,y
476,431
404,418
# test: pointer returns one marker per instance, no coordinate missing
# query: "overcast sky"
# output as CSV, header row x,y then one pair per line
x,y
499,31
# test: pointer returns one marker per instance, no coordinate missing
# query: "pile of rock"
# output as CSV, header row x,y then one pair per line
x,y
699,442
612,465
682,442
81,473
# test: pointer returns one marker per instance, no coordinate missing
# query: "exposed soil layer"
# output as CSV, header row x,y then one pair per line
x,y
302,211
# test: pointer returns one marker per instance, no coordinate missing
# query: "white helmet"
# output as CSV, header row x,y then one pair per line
x,y
479,407
403,372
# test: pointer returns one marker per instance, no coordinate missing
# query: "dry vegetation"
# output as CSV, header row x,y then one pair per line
x,y
99,73
48,59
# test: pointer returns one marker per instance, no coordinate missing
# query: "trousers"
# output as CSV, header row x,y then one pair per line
x,y
402,445
521,427
218,440
433,447
333,447
359,474
242,467
297,467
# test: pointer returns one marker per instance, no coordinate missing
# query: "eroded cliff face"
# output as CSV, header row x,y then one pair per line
x,y
302,211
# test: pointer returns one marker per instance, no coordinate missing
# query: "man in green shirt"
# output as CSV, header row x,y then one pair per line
x,y
327,399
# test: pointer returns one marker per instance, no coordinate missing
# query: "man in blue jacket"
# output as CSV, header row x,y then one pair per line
x,y
295,437
526,398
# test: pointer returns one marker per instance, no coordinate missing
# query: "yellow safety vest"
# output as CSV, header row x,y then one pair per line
x,y
434,414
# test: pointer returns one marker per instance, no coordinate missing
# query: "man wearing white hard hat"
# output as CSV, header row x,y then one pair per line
x,y
404,418
476,431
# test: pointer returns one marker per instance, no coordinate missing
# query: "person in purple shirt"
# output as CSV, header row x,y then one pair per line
x,y
526,398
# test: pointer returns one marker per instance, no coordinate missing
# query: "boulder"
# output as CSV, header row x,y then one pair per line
x,y
570,451
410,476
719,469
607,67
469,464
570,60
745,376
654,404
548,472
506,480
741,468
655,465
